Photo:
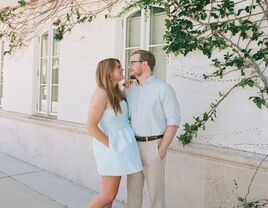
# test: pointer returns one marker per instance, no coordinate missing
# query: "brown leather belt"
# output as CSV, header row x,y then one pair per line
x,y
148,138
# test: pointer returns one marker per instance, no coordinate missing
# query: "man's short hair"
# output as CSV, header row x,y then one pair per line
x,y
146,56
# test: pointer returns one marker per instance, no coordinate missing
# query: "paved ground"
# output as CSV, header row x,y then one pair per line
x,y
25,186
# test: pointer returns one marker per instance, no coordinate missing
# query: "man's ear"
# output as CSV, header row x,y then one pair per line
x,y
145,64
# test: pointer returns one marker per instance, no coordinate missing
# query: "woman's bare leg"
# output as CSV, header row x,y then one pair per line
x,y
109,189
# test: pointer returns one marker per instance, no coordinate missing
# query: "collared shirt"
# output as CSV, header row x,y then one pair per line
x,y
152,107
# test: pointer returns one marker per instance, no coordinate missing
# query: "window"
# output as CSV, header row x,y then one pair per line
x,y
1,70
48,74
145,31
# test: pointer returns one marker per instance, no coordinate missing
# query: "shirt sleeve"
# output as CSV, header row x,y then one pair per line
x,y
171,106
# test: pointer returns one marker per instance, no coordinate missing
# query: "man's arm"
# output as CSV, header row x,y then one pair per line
x,y
167,139
171,109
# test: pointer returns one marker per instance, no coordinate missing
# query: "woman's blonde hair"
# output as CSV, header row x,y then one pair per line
x,y
104,80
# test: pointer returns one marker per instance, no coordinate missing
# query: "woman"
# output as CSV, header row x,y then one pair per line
x,y
114,145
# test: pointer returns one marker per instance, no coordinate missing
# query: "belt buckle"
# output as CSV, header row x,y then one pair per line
x,y
146,138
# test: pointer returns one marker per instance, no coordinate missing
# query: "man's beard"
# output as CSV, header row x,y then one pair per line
x,y
132,76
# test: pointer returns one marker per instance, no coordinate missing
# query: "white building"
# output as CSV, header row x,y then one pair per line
x,y
44,95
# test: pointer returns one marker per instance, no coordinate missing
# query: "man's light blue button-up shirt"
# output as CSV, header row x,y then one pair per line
x,y
152,107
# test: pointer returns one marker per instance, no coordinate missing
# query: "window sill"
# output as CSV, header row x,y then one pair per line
x,y
47,121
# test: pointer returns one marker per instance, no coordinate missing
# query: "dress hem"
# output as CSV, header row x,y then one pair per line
x,y
128,173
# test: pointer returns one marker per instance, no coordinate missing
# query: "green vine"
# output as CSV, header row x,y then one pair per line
x,y
72,18
22,3
244,203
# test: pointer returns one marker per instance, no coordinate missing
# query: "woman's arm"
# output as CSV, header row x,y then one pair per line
x,y
97,106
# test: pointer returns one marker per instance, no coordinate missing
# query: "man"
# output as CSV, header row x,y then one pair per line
x,y
154,114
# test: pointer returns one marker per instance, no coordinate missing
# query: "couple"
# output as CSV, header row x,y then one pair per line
x,y
135,148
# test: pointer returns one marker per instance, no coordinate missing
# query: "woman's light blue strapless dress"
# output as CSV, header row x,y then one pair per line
x,y
122,157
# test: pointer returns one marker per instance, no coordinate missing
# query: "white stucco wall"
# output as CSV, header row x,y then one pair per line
x,y
80,52
5,3
239,123
197,175
19,76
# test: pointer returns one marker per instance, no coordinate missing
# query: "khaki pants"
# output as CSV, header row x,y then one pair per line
x,y
154,174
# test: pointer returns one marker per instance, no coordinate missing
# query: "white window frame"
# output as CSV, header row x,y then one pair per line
x,y
2,50
48,111
144,35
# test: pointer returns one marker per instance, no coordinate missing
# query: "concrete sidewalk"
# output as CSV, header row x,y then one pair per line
x,y
25,186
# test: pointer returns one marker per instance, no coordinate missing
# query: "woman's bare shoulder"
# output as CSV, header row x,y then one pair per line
x,y
99,95
101,91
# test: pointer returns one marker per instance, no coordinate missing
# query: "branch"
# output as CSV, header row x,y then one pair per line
x,y
254,175
18,24
258,71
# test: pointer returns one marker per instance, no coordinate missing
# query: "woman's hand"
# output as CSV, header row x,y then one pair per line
x,y
127,83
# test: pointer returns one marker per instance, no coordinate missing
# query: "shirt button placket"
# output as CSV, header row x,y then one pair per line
x,y
138,109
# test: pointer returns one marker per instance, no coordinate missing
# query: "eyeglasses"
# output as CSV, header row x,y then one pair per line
x,y
133,62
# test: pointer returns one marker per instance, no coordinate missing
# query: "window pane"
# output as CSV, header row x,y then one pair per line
x,y
157,26
43,71
128,54
1,93
56,47
55,75
43,98
54,99
2,53
44,45
133,30
1,66
1,69
54,93
160,67
55,62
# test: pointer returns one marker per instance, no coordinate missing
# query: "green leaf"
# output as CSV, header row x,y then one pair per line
x,y
250,83
185,139
248,9
214,15
68,17
196,118
78,15
221,94
239,62
258,101
205,116
239,11
204,16
243,83
22,3
240,199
